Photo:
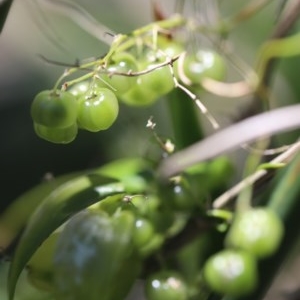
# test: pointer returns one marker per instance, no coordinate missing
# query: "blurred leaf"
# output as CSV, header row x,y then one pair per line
x,y
184,119
15,217
262,125
277,48
122,168
287,189
53,211
90,254
4,10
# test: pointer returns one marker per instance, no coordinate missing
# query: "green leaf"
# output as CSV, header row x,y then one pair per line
x,y
282,48
183,113
15,217
54,210
4,10
90,254
122,168
286,190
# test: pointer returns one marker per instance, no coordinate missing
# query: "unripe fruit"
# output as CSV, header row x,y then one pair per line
x,y
159,80
143,232
55,109
63,135
257,230
138,96
180,196
165,285
203,64
231,273
121,62
79,88
98,109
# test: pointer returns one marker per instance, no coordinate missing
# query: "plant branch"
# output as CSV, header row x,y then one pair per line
x,y
285,157
265,124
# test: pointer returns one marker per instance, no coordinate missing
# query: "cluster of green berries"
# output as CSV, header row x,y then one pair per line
x,y
57,115
108,246
134,77
254,234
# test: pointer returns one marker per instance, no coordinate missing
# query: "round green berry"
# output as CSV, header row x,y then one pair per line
x,y
166,285
231,273
257,230
56,135
57,109
142,233
98,109
203,64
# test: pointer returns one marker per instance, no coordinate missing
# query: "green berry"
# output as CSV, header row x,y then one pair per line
x,y
231,273
98,109
203,64
121,62
79,88
143,232
56,109
56,135
257,230
165,285
139,96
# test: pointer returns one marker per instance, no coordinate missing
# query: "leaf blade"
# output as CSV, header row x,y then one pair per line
x,y
63,202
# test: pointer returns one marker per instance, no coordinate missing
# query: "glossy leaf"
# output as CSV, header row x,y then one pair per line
x,y
53,211
90,254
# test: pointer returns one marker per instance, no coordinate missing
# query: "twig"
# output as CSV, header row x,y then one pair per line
x,y
234,191
168,61
233,137
287,18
